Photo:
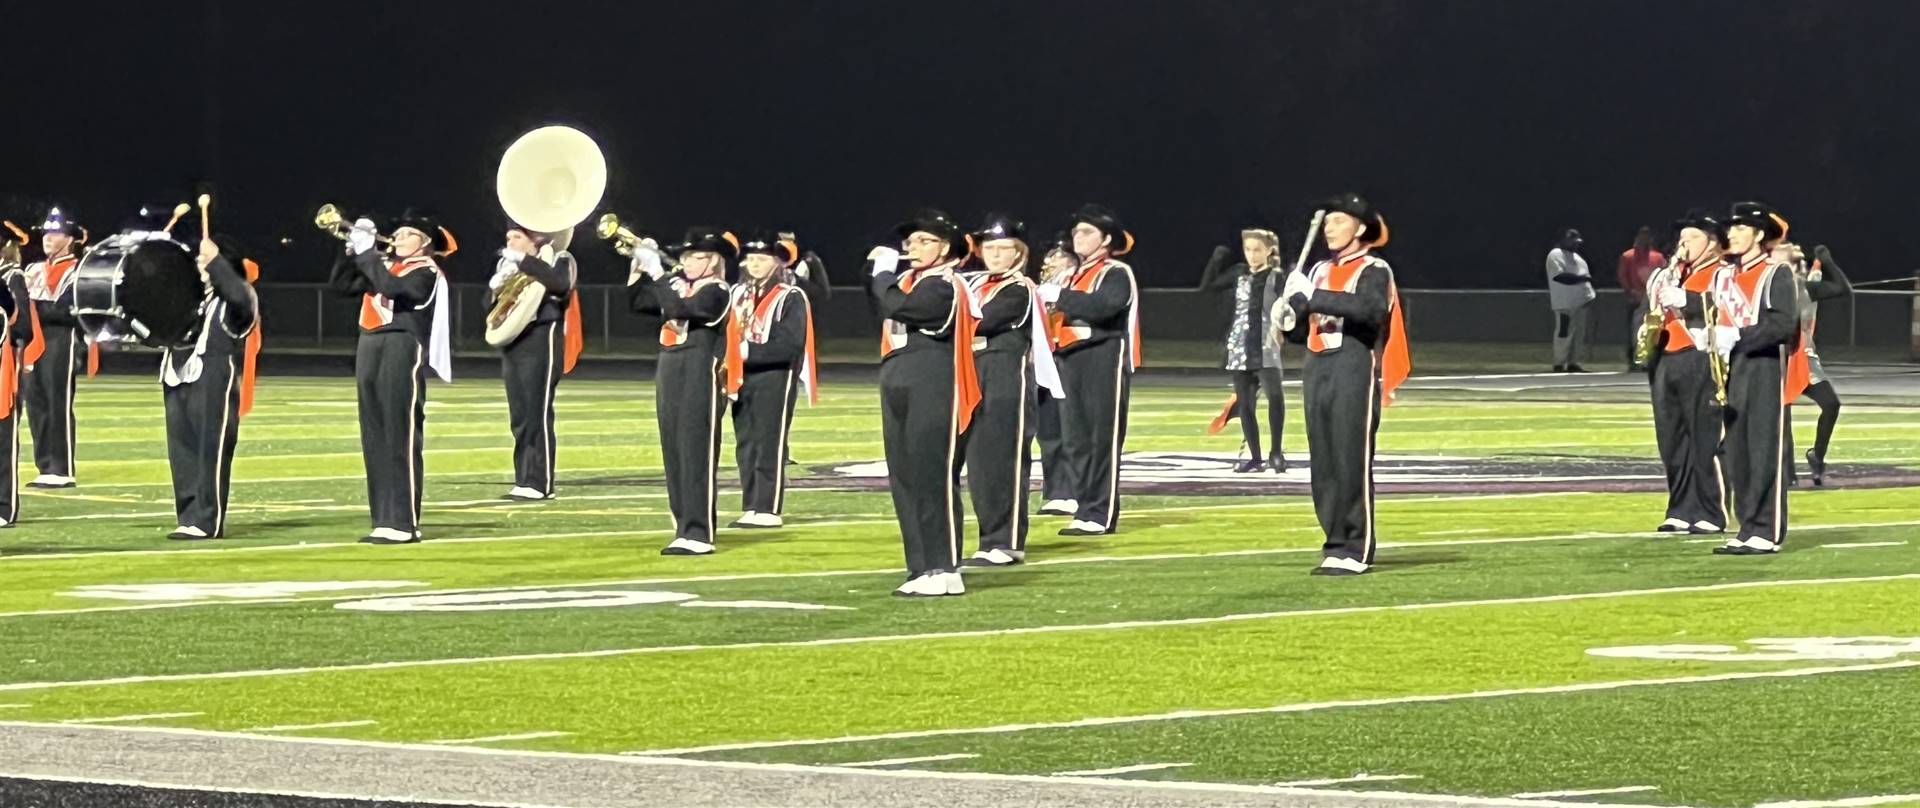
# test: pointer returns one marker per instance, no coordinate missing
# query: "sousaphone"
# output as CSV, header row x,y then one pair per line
x,y
550,180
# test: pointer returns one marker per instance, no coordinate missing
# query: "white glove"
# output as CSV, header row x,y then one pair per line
x,y
1724,336
1283,317
1672,297
509,264
646,261
885,259
1297,284
360,238
1049,293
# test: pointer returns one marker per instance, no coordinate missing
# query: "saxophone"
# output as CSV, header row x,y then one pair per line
x,y
1647,340
1716,362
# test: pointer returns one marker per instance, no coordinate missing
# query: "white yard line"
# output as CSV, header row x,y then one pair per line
x,y
1849,802
1588,792
906,760
1358,778
1144,786
299,727
1284,708
123,719
1141,767
750,576
524,736
14,706
1859,544
958,634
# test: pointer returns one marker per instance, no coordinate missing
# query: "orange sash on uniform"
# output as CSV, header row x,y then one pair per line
x,y
966,380
1699,281
736,335
573,335
1798,373
1396,362
251,356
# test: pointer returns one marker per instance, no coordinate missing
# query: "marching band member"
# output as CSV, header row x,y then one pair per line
x,y
928,393
1819,281
1686,416
1057,485
207,388
1758,330
1096,337
1252,352
805,269
687,392
49,382
19,352
1011,359
532,364
1346,311
403,333
769,361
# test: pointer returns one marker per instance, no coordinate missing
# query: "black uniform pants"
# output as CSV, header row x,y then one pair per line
x,y
1687,428
1757,444
924,453
531,366
203,426
1094,417
1056,477
49,388
10,449
1247,385
391,369
762,418
999,446
688,403
1342,388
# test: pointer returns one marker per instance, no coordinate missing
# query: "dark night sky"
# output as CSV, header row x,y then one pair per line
x,y
1478,126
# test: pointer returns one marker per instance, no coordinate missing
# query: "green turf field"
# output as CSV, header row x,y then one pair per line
x,y
1524,634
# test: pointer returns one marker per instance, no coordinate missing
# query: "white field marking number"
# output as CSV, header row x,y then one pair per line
x,y
180,592
1802,649
545,599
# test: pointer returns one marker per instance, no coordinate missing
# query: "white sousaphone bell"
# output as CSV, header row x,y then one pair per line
x,y
550,180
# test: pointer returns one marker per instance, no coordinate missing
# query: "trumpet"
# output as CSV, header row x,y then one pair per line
x,y
330,220
624,241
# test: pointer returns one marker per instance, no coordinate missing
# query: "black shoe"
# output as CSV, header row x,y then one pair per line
x,y
1576,369
1559,368
1817,466
1277,463
1248,466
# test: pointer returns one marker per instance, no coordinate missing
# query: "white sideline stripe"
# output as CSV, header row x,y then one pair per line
x,y
947,635
1141,767
311,795
754,576
332,477
1849,802
905,760
1139,785
276,508
119,719
1859,544
23,557
1278,709
524,736
14,706
299,727
1588,792
1358,778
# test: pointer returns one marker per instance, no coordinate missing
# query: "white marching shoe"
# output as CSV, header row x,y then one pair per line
x,y
688,547
758,519
1704,527
996,557
934,584
522,492
187,533
51,481
389,535
1673,525
1083,527
1060,507
1335,565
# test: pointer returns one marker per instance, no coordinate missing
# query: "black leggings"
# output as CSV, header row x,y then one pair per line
x,y
1823,394
1246,387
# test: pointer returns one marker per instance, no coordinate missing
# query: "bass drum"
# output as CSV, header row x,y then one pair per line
x,y
144,291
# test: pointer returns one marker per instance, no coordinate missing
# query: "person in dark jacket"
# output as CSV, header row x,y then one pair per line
x,y
533,362
1758,329
1252,350
769,364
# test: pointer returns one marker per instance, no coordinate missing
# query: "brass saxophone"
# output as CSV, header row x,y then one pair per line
x,y
1647,340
